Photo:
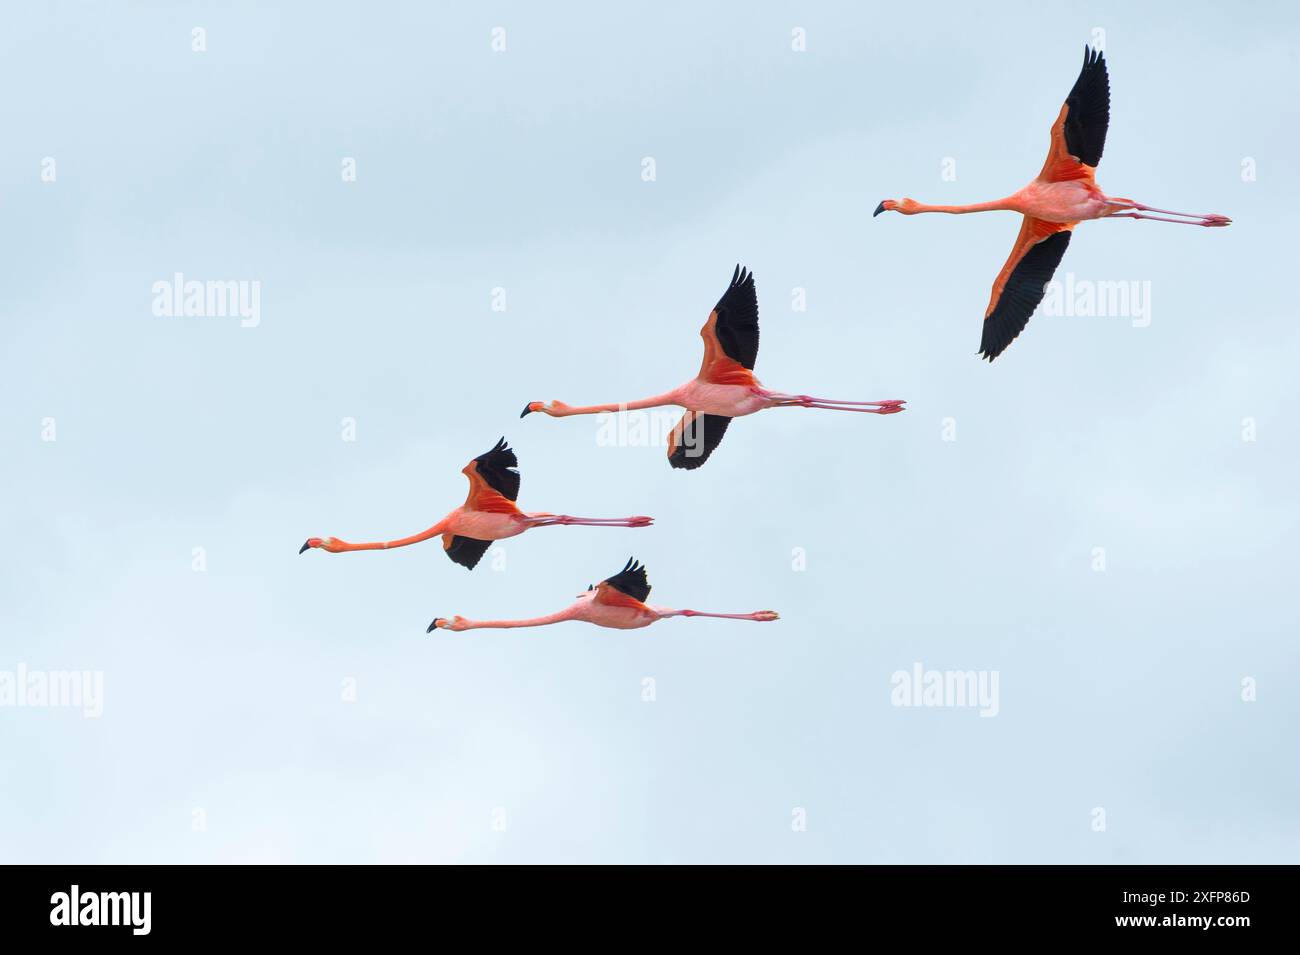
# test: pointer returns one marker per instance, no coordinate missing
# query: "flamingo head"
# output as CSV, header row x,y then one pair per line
x,y
905,206
447,623
324,543
553,408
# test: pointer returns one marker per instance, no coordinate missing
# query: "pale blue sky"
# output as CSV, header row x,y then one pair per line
x,y
522,170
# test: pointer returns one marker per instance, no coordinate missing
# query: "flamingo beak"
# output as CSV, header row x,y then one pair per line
x,y
879,209
433,626
305,547
527,409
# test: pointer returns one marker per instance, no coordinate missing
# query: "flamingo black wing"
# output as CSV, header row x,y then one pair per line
x,y
1088,110
1022,283
467,551
497,468
631,580
694,438
736,327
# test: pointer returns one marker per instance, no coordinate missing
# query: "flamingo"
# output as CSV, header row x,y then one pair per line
x,y
488,514
616,602
725,387
1064,194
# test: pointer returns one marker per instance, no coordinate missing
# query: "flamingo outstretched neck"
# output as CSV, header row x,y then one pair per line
x,y
910,207
334,545
459,623
558,409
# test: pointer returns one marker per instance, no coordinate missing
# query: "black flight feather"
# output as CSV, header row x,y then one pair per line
x,y
467,551
631,580
1089,113
1024,290
700,435
497,468
737,324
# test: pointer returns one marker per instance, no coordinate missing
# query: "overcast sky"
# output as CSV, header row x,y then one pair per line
x,y
1104,519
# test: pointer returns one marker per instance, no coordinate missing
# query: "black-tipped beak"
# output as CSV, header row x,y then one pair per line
x,y
433,626
305,547
527,408
879,209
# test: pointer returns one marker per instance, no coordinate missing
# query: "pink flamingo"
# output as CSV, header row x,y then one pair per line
x,y
488,514
616,602
725,387
1064,194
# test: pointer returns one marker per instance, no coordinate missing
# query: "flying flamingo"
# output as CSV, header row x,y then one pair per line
x,y
488,514
1064,194
725,387
616,602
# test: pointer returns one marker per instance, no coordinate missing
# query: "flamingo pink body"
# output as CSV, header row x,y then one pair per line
x,y
585,609
1063,194
488,514
615,603
725,387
